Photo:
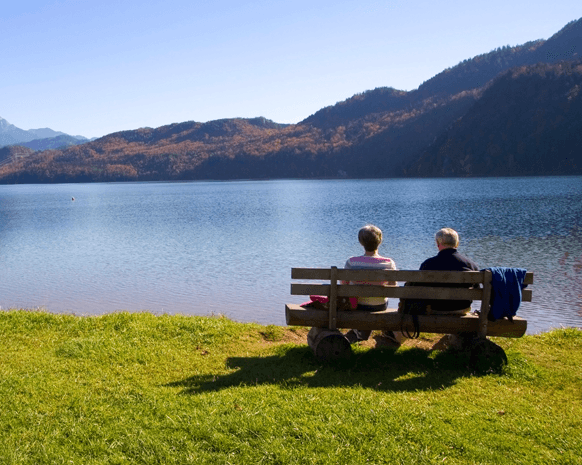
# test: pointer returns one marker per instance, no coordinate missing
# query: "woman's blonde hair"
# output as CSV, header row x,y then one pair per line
x,y
370,237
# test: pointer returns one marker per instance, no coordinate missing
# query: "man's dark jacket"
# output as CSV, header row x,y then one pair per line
x,y
449,260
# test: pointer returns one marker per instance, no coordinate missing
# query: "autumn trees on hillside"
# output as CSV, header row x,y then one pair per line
x,y
526,121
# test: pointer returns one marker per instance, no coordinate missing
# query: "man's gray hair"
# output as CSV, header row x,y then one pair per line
x,y
447,237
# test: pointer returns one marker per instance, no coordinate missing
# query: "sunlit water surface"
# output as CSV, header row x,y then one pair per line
x,y
227,248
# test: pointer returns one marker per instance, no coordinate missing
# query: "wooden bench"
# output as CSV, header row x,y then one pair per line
x,y
328,343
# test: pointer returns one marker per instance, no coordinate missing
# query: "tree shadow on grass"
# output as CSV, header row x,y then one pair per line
x,y
383,369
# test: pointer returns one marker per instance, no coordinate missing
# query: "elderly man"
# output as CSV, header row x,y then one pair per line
x,y
449,259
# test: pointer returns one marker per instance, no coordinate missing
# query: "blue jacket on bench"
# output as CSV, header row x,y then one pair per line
x,y
506,286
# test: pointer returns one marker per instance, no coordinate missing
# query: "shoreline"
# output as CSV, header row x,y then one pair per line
x,y
368,343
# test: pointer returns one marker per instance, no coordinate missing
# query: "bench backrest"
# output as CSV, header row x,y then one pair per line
x,y
333,288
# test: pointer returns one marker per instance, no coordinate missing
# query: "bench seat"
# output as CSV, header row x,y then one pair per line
x,y
390,320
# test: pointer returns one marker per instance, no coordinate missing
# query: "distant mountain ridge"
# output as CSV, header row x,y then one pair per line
x,y
476,72
11,135
57,142
513,111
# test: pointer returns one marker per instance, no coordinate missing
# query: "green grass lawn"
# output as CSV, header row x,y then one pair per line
x,y
138,388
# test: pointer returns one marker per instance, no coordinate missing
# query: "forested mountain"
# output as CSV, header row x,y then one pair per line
x,y
241,149
379,100
13,152
529,121
516,110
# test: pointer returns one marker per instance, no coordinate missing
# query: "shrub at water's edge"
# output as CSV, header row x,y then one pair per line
x,y
139,388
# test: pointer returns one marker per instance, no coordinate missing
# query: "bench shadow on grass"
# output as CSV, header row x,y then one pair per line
x,y
383,369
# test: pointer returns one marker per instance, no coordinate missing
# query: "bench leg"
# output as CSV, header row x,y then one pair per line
x,y
328,345
486,356
461,341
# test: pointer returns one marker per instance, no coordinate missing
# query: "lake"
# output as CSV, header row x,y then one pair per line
x,y
168,247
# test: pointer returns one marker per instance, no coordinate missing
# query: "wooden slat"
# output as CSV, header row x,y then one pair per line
x,y
397,275
452,277
390,320
411,292
311,273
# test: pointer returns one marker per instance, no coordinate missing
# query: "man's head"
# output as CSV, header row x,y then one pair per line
x,y
370,237
447,238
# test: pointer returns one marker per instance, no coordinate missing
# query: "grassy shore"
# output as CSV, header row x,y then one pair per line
x,y
138,388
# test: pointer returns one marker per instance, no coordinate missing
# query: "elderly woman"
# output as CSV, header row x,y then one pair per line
x,y
370,237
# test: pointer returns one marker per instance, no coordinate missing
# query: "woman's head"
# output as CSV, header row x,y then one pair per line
x,y
447,238
370,237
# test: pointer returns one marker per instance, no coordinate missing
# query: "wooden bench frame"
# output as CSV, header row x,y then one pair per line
x,y
390,319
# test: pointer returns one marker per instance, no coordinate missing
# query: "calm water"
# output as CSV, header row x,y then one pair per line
x,y
175,247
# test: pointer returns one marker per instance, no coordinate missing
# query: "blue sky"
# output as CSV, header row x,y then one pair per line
x,y
93,67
